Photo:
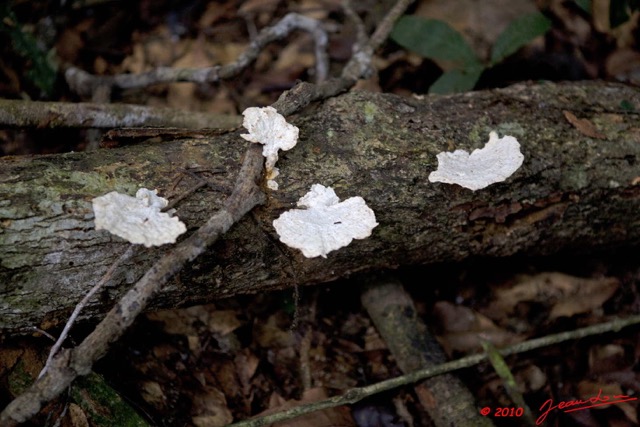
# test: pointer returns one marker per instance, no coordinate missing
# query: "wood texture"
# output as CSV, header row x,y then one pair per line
x,y
574,192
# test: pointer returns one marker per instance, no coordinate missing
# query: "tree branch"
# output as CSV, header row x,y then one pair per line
x,y
355,395
42,115
572,193
392,311
85,84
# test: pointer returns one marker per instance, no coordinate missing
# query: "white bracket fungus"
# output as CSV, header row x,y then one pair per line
x,y
497,161
325,224
137,219
266,126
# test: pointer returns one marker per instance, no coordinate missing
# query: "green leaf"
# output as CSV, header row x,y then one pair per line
x,y
433,39
42,69
518,34
584,5
626,105
457,80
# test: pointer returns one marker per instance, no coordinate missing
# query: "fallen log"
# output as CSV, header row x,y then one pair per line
x,y
578,189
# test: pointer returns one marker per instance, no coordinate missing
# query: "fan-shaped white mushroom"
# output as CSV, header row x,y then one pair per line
x,y
497,161
326,224
266,126
137,219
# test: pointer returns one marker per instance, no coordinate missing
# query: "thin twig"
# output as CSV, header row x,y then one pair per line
x,y
361,33
360,63
81,305
356,394
201,182
41,331
84,83
383,30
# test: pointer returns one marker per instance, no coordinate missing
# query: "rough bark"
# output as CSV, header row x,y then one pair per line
x,y
573,192
15,113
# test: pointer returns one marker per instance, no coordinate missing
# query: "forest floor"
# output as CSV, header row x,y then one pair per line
x,y
213,364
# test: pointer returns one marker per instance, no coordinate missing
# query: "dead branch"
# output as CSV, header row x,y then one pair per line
x,y
572,194
445,398
81,305
85,84
44,115
355,395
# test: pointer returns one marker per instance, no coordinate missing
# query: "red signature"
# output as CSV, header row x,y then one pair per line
x,y
578,405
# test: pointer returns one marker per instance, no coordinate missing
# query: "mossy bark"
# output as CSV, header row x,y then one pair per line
x,y
573,192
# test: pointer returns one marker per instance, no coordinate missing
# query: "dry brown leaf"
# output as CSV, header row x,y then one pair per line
x,y
336,370
246,365
624,65
209,408
69,44
376,363
252,7
153,394
75,417
591,296
530,379
24,370
135,63
600,15
193,320
194,344
182,95
318,9
270,334
583,126
565,295
607,358
464,329
161,49
624,34
296,56
373,340
216,11
223,322
226,377
8,359
575,26
331,417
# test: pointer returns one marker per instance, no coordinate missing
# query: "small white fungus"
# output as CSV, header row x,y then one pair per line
x,y
271,178
497,161
137,219
324,224
266,126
